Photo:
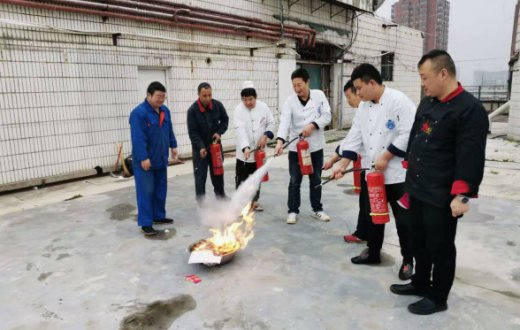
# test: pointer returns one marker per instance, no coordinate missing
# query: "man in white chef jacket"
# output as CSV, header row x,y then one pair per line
x,y
305,113
380,132
254,126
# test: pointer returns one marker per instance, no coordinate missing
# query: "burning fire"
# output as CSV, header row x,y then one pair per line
x,y
233,237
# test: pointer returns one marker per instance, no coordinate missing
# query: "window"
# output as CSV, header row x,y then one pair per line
x,y
387,66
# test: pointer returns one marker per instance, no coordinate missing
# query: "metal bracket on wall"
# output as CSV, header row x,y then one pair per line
x,y
292,3
115,36
332,14
317,8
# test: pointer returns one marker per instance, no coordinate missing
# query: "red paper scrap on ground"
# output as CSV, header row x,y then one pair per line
x,y
193,278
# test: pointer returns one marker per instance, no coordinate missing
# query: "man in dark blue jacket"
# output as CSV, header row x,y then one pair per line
x,y
152,135
207,122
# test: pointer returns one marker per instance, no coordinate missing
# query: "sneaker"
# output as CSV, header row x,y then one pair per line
x,y
404,201
406,271
258,207
320,215
292,218
149,231
163,221
352,239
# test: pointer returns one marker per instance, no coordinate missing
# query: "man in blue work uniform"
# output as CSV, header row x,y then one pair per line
x,y
207,122
152,135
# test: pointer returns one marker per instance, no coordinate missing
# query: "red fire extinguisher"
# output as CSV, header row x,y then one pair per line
x,y
216,158
357,175
377,196
304,157
260,159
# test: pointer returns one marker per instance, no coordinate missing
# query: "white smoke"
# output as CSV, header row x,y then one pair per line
x,y
219,213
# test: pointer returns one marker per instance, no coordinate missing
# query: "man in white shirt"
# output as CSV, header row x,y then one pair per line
x,y
254,126
381,127
305,114
360,234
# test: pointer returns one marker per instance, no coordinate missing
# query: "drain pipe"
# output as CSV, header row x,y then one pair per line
x,y
499,111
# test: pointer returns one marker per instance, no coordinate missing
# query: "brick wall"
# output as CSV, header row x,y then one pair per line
x,y
65,98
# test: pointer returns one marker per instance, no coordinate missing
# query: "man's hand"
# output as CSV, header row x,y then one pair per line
x,y
307,131
203,153
330,162
278,150
382,161
216,137
340,167
457,207
174,153
263,142
146,164
247,153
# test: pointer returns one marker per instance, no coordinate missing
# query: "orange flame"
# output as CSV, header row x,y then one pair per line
x,y
233,237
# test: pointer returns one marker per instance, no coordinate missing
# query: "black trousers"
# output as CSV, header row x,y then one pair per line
x,y
200,171
242,171
364,211
403,223
294,199
434,230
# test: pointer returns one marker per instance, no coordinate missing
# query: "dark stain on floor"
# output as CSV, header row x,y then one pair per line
x,y
121,211
63,256
159,314
43,276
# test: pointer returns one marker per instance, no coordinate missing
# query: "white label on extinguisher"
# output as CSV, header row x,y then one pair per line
x,y
306,158
377,199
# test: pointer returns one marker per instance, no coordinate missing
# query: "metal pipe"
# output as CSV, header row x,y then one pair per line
x,y
107,6
135,18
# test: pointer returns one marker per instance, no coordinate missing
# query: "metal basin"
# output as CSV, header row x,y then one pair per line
x,y
225,257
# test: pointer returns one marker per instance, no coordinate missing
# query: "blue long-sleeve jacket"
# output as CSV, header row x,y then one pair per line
x,y
152,135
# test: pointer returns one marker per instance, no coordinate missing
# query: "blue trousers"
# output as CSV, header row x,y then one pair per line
x,y
150,189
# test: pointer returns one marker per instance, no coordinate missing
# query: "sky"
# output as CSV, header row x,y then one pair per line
x,y
480,34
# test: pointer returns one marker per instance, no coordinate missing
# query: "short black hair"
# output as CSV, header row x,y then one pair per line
x,y
349,85
366,72
155,87
246,92
301,73
440,60
203,85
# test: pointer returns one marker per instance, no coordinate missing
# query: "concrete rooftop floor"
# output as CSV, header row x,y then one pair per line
x,y
83,264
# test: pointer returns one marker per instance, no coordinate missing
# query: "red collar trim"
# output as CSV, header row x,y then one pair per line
x,y
201,107
453,94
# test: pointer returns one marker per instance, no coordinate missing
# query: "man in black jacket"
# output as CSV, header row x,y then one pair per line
x,y
445,161
207,122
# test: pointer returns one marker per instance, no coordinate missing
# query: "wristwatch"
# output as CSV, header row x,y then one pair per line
x,y
463,199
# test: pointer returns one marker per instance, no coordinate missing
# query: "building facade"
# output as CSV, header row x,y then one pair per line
x,y
432,17
514,110
69,76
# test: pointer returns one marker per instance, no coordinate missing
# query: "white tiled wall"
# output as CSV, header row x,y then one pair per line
x,y
65,98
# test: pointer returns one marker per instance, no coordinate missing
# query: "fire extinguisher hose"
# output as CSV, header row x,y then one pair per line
x,y
344,172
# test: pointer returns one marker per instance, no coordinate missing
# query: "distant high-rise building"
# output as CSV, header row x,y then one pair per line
x,y
432,17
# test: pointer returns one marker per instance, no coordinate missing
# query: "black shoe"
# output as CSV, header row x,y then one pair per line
x,y
427,306
163,221
407,290
366,259
149,231
406,271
